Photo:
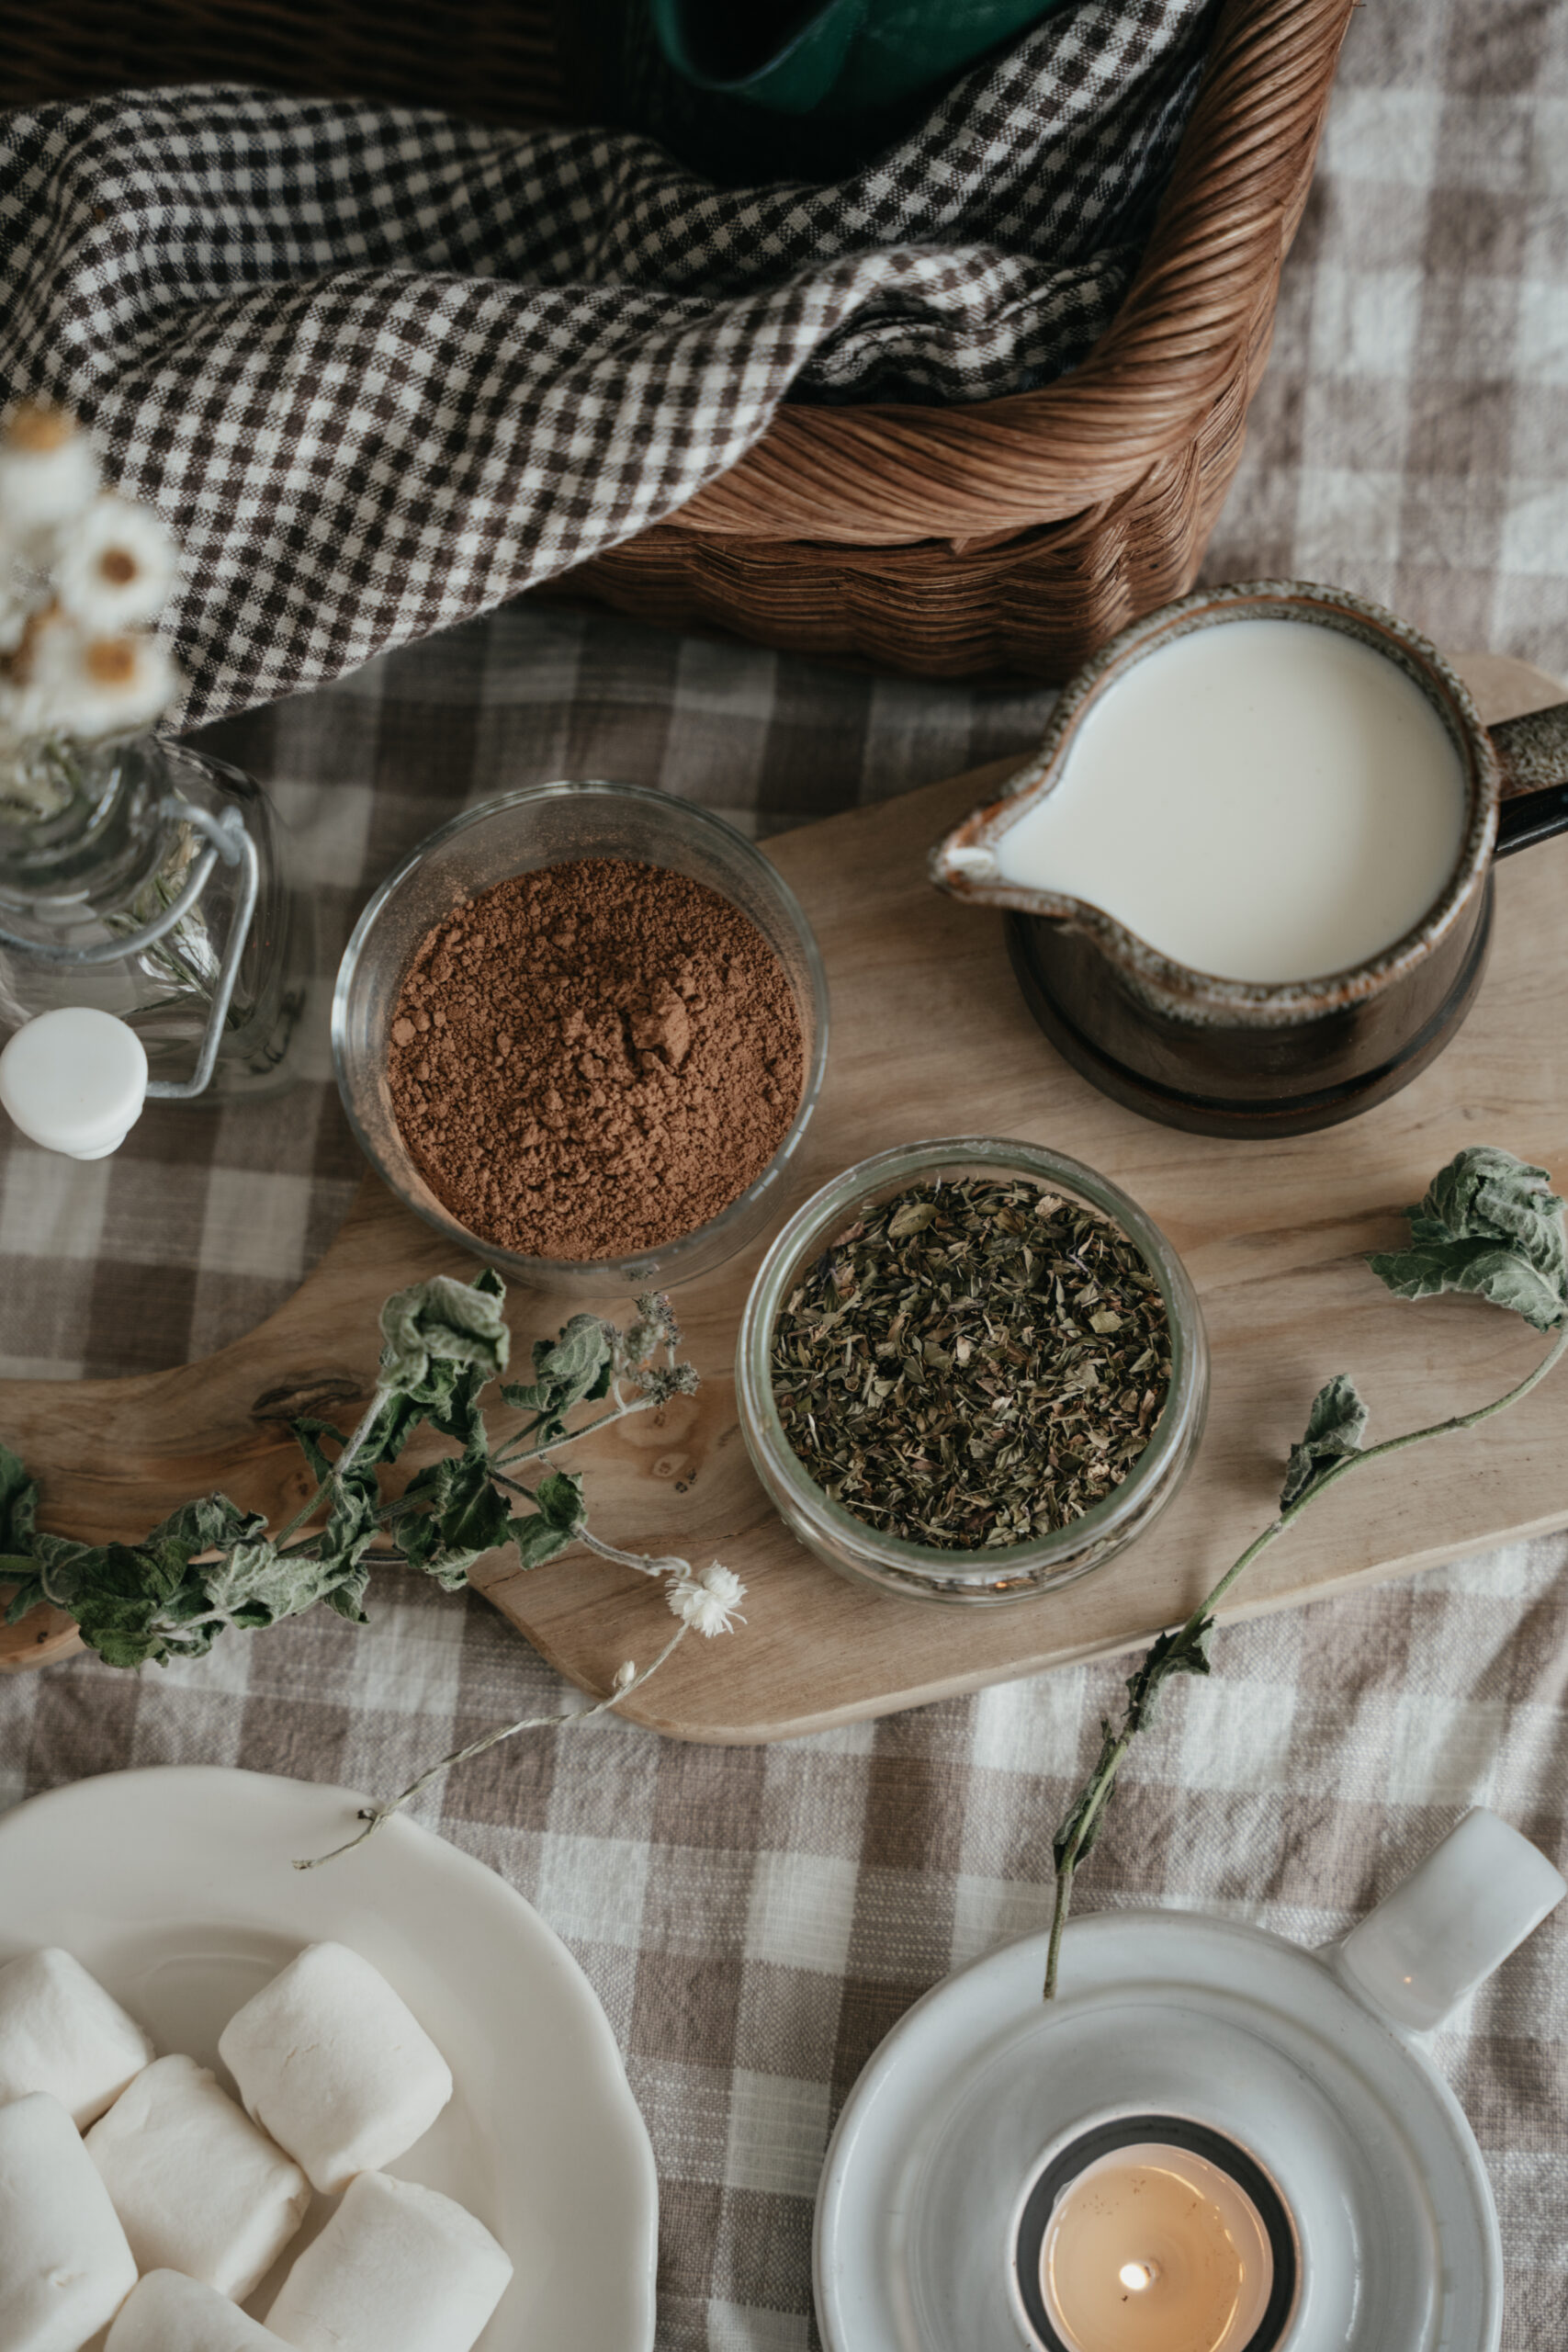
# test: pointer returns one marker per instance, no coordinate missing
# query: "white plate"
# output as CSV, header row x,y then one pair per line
x,y
174,1888
1159,2013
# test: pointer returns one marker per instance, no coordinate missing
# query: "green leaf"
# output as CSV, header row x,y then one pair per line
x,y
440,1323
130,1586
257,1584
347,1596
575,1368
551,1528
1489,1223
209,1524
1184,1652
538,1541
28,1590
395,1424
1497,1275
65,1569
560,1500
18,1504
578,1356
1336,1426
466,1519
456,1413
135,1649
356,1493
473,1517
352,1527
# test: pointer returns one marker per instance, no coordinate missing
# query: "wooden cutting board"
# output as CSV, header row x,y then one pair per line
x,y
929,1037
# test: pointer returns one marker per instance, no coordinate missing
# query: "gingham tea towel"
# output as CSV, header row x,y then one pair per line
x,y
380,368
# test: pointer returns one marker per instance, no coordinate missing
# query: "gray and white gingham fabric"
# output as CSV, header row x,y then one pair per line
x,y
755,1919
379,370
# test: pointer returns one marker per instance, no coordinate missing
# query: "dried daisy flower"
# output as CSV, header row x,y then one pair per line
x,y
708,1602
82,571
115,566
48,475
64,682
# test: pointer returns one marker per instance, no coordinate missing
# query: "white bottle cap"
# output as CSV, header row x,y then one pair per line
x,y
74,1080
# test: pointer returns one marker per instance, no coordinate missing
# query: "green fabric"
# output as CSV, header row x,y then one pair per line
x,y
840,55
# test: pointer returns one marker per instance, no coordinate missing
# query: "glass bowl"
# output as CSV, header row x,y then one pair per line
x,y
550,824
1006,1572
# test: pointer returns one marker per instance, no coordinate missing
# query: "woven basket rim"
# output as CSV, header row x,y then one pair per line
x,y
884,475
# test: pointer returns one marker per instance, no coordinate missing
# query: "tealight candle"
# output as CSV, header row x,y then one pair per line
x,y
1155,2249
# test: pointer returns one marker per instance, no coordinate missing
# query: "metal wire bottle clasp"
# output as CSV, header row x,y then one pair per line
x,y
228,842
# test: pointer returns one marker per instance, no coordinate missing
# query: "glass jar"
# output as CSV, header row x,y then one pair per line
x,y
142,828
552,824
1004,1573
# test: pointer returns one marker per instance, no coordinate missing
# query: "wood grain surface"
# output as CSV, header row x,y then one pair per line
x,y
930,1038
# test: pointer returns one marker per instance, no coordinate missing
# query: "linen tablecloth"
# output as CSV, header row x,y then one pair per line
x,y
755,1919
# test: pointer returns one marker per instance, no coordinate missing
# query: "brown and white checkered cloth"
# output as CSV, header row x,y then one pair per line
x,y
755,1919
379,370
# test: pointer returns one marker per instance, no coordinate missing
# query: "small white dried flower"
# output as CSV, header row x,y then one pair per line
x,y
661,1383
20,598
709,1600
626,1675
90,686
48,474
115,566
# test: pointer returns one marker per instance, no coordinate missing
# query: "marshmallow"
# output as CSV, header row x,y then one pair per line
x,y
397,2268
66,2268
330,2061
169,2312
197,2187
59,2032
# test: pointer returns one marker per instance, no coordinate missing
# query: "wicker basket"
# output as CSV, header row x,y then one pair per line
x,y
1011,534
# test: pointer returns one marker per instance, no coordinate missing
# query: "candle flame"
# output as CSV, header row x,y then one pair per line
x,y
1136,2276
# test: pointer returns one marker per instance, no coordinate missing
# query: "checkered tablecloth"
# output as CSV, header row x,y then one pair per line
x,y
755,1919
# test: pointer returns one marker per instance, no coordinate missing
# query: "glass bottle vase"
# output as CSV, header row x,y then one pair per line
x,y
123,837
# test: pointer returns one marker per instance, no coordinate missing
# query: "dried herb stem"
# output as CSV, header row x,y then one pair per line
x,y
1491,1226
374,1816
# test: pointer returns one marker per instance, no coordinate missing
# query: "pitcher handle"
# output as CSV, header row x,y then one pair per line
x,y
1532,753
1443,1929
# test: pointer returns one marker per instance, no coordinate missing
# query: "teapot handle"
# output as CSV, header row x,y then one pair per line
x,y
1532,753
1443,1929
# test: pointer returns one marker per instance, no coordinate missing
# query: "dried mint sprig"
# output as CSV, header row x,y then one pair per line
x,y
211,1568
1488,1223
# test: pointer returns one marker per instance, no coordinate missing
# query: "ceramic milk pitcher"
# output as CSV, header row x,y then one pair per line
x,y
1234,1057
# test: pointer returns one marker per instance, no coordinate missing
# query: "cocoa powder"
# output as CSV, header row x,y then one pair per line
x,y
592,1059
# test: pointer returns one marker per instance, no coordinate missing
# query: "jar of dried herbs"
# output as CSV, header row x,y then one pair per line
x,y
971,1370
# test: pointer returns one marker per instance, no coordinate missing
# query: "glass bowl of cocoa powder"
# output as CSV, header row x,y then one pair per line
x,y
580,1029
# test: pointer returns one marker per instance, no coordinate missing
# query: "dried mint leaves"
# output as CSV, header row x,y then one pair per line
x,y
973,1364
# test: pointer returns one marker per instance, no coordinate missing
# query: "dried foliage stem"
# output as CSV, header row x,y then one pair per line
x,y
374,1816
213,1569
1487,1224
1102,1781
